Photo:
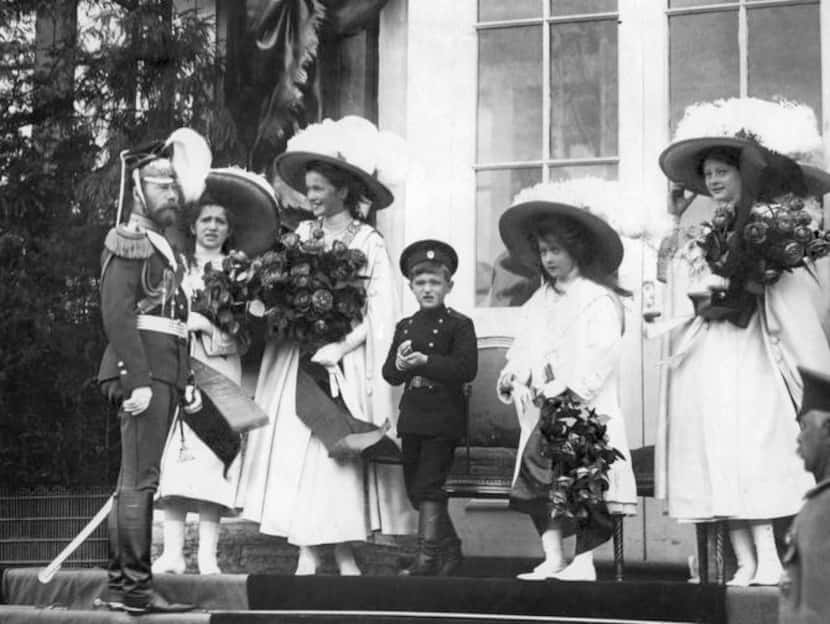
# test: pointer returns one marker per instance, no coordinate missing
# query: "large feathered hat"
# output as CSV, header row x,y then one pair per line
x,y
378,159
783,135
252,202
600,206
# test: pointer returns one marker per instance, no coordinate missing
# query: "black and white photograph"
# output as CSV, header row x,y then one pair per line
x,y
415,311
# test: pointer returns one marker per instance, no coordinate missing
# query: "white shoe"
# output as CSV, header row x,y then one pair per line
x,y
346,564
209,567
767,575
307,561
743,577
544,570
169,564
578,570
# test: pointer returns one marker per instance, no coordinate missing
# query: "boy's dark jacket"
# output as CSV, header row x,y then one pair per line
x,y
448,339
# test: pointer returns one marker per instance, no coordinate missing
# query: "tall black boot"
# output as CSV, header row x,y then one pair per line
x,y
135,538
451,556
428,558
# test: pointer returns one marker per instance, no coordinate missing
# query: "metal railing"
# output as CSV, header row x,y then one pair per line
x,y
36,524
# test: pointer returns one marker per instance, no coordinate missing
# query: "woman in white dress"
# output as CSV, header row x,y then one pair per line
x,y
733,385
290,484
569,342
197,476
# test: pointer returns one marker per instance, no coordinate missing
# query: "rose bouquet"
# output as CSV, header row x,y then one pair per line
x,y
574,438
308,293
224,298
776,237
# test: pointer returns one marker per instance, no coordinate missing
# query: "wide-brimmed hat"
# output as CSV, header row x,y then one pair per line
x,y
781,136
292,166
377,159
251,201
583,200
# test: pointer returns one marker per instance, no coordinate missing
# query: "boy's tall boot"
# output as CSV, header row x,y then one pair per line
x,y
428,558
451,556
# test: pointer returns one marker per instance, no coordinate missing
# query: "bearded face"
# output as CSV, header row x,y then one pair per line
x,y
160,192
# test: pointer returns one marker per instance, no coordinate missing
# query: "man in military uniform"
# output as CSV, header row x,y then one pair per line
x,y
145,368
434,353
804,587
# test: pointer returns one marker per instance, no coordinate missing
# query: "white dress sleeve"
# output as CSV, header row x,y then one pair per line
x,y
586,368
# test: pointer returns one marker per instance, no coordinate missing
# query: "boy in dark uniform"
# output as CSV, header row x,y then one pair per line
x,y
145,368
434,353
805,586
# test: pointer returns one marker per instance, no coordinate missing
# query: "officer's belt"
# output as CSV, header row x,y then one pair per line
x,y
161,324
423,382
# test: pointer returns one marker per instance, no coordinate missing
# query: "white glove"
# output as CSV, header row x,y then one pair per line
x,y
138,401
192,400
328,355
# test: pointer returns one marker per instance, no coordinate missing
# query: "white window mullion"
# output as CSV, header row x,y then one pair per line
x,y
546,86
743,50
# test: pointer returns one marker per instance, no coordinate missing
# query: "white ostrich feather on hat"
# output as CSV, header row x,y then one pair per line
x,y
357,141
191,161
602,198
786,127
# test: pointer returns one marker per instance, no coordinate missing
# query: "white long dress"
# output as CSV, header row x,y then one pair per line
x,y
289,484
731,401
190,471
577,333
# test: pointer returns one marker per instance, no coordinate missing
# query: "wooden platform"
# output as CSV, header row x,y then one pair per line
x,y
256,599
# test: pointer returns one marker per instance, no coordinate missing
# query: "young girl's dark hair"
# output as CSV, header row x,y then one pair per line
x,y
192,212
341,179
729,155
576,240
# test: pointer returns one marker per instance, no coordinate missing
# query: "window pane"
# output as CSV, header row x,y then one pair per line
x,y
510,94
583,75
496,283
606,172
785,55
497,10
579,7
703,59
680,4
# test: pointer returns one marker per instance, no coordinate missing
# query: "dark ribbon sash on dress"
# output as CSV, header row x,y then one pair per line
x,y
328,418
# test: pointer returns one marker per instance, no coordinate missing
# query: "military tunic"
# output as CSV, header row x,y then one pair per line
x,y
138,280
432,408
805,588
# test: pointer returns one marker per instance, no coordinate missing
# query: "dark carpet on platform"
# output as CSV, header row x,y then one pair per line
x,y
679,602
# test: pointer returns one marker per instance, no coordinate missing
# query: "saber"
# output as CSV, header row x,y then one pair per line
x,y
47,573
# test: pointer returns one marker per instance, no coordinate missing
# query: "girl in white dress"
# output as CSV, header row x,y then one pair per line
x,y
290,484
193,478
238,209
569,342
733,387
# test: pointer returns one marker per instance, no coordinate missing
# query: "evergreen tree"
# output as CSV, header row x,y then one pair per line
x,y
80,80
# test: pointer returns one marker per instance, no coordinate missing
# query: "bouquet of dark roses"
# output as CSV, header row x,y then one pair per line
x,y
308,293
226,293
776,237
574,438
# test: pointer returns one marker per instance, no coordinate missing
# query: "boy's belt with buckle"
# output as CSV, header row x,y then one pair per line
x,y
423,382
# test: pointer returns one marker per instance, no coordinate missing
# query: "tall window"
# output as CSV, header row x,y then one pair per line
x,y
752,48
547,110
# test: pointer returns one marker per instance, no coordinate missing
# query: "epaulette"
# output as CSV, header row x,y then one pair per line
x,y
126,243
